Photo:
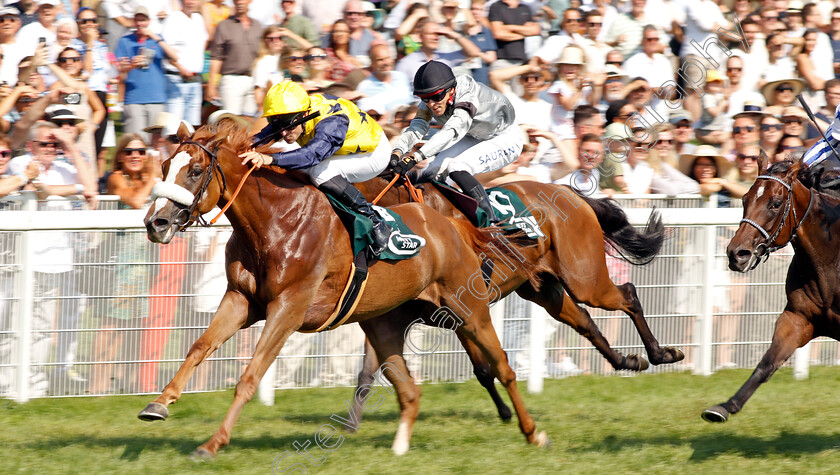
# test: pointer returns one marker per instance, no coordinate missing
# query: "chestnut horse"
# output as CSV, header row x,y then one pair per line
x,y
289,258
573,269
785,205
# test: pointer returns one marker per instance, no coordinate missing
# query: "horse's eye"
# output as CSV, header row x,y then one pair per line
x,y
196,172
775,204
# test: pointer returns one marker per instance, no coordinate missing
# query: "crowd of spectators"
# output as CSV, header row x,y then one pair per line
x,y
621,96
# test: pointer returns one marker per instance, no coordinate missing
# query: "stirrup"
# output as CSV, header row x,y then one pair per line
x,y
381,234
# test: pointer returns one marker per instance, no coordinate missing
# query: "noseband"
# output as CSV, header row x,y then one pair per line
x,y
207,176
764,249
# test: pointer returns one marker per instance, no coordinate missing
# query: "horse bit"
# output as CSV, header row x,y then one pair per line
x,y
764,249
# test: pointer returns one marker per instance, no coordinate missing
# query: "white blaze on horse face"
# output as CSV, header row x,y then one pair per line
x,y
760,192
167,189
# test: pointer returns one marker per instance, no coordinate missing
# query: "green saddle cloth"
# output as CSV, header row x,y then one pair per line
x,y
510,210
403,243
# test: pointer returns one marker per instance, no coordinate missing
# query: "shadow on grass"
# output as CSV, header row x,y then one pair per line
x,y
709,446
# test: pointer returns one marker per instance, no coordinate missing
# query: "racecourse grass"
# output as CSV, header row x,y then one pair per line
x,y
645,424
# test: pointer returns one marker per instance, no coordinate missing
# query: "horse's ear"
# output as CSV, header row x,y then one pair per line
x,y
762,163
183,132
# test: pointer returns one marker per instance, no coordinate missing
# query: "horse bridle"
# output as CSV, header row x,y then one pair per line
x,y
207,176
764,249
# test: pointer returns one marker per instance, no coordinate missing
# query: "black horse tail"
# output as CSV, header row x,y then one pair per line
x,y
638,248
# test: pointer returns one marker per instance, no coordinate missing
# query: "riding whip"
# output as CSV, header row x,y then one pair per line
x,y
814,120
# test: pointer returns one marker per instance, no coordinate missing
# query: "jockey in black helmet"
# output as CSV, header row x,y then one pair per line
x,y
478,133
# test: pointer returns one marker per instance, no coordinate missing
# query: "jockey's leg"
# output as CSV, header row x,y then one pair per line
x,y
475,190
335,175
341,189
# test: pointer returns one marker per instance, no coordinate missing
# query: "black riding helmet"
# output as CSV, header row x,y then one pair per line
x,y
433,77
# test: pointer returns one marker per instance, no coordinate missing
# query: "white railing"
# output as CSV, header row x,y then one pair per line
x,y
119,335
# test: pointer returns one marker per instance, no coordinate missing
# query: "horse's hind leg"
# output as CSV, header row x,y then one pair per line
x,y
387,336
604,294
231,315
563,309
792,331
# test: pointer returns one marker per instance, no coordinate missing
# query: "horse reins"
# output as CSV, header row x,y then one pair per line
x,y
763,250
208,176
415,194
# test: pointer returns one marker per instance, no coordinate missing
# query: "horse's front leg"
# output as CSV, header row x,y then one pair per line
x,y
284,315
792,331
231,315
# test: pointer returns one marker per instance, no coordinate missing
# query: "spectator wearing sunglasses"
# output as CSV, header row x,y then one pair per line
x,y
771,132
267,71
13,182
790,147
781,93
361,33
570,33
317,69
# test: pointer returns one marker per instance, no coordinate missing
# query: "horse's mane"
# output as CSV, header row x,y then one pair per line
x,y
237,138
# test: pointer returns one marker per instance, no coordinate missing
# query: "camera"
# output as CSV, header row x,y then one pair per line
x,y
72,98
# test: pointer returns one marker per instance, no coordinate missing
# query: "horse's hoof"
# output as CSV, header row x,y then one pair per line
x,y
636,363
677,355
505,414
201,455
400,448
715,414
155,411
542,440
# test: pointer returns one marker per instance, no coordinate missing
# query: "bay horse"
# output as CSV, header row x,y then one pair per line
x,y
573,268
288,260
786,205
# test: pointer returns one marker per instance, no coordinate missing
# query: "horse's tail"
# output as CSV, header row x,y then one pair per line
x,y
635,247
493,244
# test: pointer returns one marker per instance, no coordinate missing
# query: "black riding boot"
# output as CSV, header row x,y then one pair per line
x,y
472,188
349,195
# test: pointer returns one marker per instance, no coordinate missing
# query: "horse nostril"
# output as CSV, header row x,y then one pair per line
x,y
160,224
743,255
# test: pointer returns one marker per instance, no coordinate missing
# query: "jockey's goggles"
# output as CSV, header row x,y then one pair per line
x,y
436,96
283,121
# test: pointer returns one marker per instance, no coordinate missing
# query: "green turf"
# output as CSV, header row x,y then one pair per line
x,y
644,424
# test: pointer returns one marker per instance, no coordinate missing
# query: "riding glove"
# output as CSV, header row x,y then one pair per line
x,y
405,164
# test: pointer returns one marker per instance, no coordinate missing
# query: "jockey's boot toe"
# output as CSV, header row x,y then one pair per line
x,y
381,236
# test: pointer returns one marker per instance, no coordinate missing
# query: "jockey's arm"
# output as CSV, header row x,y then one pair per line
x,y
328,138
452,131
822,150
415,131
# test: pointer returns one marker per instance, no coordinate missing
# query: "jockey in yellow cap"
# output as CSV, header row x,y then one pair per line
x,y
340,145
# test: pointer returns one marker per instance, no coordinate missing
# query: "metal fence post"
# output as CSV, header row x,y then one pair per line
x,y
801,362
705,333
25,304
536,349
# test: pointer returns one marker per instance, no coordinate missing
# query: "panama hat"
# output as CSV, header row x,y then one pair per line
x,y
161,119
687,160
752,109
572,54
62,113
770,87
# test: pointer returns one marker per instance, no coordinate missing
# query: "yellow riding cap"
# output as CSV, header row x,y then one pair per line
x,y
287,97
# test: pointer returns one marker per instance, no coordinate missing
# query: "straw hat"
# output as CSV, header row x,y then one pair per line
x,y
220,114
572,54
713,75
752,109
770,87
687,160
794,111
161,119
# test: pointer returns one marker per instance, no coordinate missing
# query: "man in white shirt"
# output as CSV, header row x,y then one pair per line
x,y
30,35
571,29
186,32
53,251
13,50
649,63
384,86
